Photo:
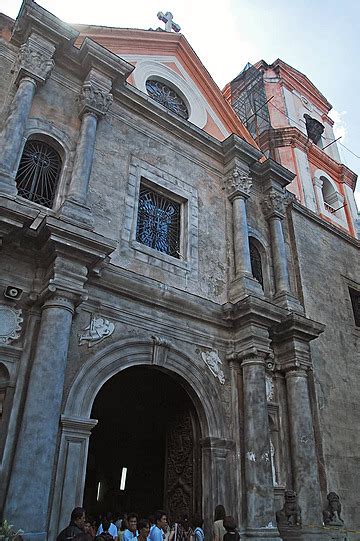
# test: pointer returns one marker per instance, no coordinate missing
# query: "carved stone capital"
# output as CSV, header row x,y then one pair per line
x,y
34,60
238,184
94,99
273,204
250,356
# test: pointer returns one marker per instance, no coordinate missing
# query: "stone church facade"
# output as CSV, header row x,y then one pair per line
x,y
159,236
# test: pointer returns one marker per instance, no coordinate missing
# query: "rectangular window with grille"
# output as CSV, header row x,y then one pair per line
x,y
355,303
158,221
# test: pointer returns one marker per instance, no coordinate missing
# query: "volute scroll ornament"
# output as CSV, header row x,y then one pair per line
x,y
34,60
238,184
94,99
273,203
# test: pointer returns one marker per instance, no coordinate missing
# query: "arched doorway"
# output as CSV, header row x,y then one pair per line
x,y
144,452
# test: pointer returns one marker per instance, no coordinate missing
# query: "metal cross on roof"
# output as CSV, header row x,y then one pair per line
x,y
168,20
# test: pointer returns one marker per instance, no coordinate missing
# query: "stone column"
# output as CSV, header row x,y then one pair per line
x,y
261,522
238,188
29,489
273,206
33,66
303,451
95,100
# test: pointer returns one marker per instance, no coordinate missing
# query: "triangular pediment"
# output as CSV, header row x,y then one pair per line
x,y
168,57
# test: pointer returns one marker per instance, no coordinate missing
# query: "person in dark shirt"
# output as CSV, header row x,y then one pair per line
x,y
76,526
231,532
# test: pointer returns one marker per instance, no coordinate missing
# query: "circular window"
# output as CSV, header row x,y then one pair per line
x,y
165,95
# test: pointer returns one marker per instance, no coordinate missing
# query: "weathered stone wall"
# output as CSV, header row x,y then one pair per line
x,y
328,264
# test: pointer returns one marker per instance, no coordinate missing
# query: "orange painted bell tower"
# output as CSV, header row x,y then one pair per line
x,y
288,117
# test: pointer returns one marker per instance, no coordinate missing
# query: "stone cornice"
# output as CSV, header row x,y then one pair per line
x,y
149,292
34,18
272,174
253,310
296,326
236,148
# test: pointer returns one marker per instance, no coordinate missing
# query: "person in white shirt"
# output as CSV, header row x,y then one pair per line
x,y
109,527
131,530
157,532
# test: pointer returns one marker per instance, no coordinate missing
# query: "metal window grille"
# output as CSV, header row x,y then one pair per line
x,y
158,223
355,302
256,266
165,95
38,173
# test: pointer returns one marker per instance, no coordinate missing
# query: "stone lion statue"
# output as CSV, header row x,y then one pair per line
x,y
290,514
332,514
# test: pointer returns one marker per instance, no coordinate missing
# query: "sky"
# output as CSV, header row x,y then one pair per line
x,y
318,37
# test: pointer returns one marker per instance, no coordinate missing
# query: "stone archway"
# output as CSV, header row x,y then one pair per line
x,y
76,424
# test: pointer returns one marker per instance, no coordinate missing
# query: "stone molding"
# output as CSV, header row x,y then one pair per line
x,y
238,184
57,300
273,204
34,60
77,424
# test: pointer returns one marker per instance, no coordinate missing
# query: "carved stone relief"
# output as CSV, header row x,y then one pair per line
x,y
214,363
10,324
94,99
270,390
98,329
273,203
238,183
35,59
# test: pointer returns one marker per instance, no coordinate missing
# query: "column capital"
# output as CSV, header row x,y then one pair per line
x,y
60,300
34,60
273,204
94,100
238,184
251,356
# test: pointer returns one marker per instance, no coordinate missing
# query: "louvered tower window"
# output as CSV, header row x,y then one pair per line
x,y
38,173
158,223
165,95
256,266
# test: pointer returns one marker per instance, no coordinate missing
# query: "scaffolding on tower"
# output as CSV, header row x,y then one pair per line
x,y
248,99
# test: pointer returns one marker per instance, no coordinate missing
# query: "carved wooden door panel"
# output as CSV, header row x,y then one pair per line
x,y
182,492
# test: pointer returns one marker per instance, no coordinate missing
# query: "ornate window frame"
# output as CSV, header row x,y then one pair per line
x,y
148,69
173,188
264,251
45,131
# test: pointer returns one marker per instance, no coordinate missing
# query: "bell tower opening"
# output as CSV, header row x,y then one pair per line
x,y
144,452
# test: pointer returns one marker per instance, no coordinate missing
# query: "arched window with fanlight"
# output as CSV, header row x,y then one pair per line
x,y
256,263
39,172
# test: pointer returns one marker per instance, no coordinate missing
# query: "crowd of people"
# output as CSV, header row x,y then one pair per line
x,y
153,528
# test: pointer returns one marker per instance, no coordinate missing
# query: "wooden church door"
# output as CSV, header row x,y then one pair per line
x,y
182,491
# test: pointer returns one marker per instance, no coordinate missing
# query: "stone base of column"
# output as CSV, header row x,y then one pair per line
x,y
243,286
7,183
262,534
76,214
297,533
288,301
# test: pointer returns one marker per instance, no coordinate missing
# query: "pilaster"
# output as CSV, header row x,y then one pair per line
x,y
94,101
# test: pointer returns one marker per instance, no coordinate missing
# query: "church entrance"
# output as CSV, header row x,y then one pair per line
x,y
144,452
